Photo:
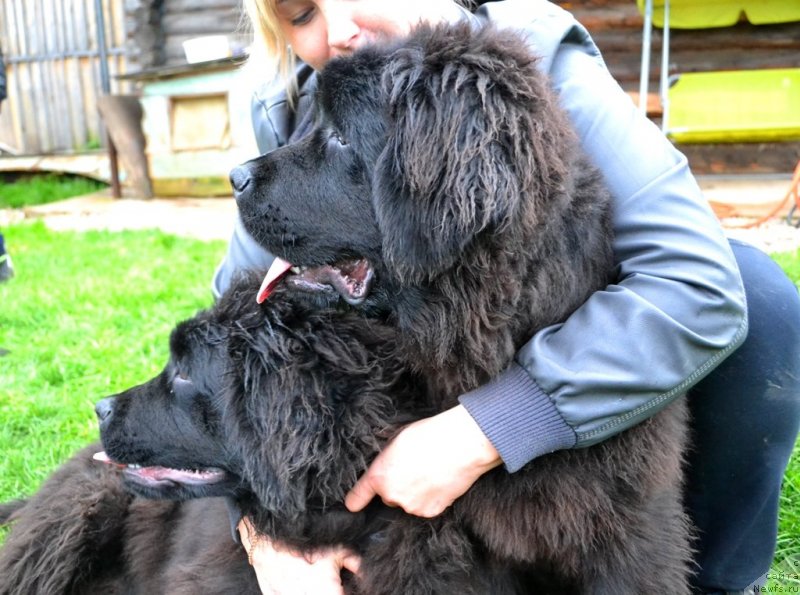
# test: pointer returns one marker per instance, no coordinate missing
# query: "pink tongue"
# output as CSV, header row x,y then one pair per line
x,y
103,458
160,473
278,269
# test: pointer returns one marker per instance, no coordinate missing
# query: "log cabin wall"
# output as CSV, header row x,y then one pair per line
x,y
616,26
156,29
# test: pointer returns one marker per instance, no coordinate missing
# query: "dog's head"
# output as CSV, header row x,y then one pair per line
x,y
279,403
421,150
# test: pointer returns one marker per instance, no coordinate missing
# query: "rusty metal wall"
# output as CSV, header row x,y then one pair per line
x,y
53,73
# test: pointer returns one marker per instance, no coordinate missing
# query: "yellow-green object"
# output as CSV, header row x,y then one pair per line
x,y
735,106
705,14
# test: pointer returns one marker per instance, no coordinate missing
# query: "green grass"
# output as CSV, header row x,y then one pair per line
x,y
790,263
87,315
43,188
788,551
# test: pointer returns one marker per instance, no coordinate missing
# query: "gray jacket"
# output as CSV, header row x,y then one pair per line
x,y
677,309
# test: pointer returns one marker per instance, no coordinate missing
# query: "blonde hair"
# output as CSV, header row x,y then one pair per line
x,y
269,44
270,47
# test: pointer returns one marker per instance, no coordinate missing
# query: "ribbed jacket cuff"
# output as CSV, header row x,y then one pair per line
x,y
518,418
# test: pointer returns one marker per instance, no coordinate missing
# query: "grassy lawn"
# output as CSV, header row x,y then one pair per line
x,y
40,189
788,554
89,314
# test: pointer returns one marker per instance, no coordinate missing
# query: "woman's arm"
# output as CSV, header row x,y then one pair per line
x,y
678,307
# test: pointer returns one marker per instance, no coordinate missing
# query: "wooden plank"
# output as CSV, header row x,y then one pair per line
x,y
37,83
625,67
176,6
82,26
89,83
745,158
60,91
113,38
70,73
21,27
772,37
223,21
92,165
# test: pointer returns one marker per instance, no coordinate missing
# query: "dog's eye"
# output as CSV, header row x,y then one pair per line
x,y
337,138
182,386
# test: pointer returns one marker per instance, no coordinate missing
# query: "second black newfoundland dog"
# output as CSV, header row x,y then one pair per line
x,y
438,215
271,409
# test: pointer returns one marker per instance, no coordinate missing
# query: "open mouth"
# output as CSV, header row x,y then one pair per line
x,y
351,279
161,476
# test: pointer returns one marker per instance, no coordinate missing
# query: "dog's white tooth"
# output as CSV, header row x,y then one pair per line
x,y
296,270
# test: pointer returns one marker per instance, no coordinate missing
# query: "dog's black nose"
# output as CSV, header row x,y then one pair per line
x,y
104,409
240,178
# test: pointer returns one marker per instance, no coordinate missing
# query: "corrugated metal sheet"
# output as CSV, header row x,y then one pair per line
x,y
53,69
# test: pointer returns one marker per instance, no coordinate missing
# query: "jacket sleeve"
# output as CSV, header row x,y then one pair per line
x,y
676,311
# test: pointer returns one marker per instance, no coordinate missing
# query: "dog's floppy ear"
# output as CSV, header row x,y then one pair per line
x,y
275,440
302,404
460,154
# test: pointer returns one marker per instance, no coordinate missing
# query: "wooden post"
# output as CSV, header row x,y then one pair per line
x,y
105,80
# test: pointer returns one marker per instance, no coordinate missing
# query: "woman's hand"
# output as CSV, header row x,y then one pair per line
x,y
427,465
281,571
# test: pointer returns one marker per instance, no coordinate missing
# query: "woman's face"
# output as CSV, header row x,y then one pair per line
x,y
319,30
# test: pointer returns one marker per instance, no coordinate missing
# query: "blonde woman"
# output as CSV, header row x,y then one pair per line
x,y
683,299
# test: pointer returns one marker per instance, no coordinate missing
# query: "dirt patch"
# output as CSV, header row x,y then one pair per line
x,y
213,218
202,218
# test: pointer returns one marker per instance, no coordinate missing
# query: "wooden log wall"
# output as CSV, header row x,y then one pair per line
x,y
184,19
53,72
616,26
157,28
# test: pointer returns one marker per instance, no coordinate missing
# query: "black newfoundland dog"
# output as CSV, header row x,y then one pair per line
x,y
271,409
438,215
442,189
